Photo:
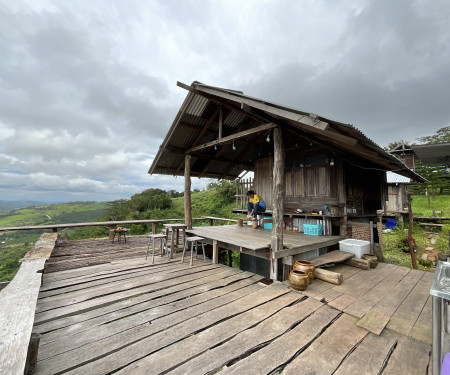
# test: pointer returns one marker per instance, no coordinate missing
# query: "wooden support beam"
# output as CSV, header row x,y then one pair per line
x,y
232,137
215,258
175,172
277,195
220,122
241,157
187,192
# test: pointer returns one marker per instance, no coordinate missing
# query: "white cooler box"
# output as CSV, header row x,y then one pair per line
x,y
357,247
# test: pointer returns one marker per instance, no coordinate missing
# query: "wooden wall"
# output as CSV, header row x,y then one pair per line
x,y
397,198
366,189
312,182
263,180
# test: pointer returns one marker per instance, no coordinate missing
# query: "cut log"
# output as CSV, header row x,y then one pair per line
x,y
360,263
329,276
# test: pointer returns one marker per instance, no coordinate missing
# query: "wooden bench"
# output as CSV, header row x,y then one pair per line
x,y
440,226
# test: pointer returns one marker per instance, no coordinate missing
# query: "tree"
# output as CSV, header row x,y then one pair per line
x,y
435,179
441,136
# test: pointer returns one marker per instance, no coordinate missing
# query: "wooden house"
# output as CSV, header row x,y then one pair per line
x,y
428,154
397,202
308,168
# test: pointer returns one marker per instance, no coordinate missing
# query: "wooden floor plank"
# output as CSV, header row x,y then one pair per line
x,y
171,357
326,353
369,356
58,279
340,303
422,329
102,356
246,341
409,357
125,319
374,322
147,278
170,290
378,292
282,350
371,281
108,299
63,286
387,306
403,320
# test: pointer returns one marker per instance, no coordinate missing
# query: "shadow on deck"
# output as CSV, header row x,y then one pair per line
x,y
134,317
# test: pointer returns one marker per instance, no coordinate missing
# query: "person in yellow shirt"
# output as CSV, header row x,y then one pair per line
x,y
255,205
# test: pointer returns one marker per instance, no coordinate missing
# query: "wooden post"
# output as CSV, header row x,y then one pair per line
x,y
215,258
187,191
278,189
220,122
410,240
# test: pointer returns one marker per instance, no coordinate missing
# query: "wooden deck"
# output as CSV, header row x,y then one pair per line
x,y
131,317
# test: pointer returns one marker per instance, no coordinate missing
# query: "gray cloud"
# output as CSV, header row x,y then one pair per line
x,y
88,89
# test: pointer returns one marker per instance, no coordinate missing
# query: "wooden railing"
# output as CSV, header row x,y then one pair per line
x,y
111,224
18,305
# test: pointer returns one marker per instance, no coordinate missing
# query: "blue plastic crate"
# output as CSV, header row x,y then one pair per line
x,y
313,229
267,225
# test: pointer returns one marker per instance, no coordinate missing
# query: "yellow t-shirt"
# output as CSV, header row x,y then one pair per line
x,y
256,199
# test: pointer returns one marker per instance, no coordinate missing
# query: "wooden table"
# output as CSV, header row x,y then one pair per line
x,y
175,228
120,232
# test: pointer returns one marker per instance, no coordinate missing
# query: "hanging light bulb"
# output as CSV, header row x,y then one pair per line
x,y
268,137
331,162
234,147
310,143
215,147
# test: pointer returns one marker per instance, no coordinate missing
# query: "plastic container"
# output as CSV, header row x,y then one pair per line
x,y
313,229
267,225
357,247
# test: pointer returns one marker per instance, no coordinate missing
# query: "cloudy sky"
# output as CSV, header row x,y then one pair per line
x,y
88,88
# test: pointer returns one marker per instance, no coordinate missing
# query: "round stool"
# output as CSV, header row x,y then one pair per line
x,y
194,241
162,238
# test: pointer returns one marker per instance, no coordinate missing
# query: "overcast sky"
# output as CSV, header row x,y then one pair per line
x,y
88,88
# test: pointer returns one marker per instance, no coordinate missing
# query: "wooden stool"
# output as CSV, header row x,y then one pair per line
x,y
195,241
163,244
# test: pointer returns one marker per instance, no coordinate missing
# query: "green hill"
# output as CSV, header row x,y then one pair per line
x,y
217,200
14,245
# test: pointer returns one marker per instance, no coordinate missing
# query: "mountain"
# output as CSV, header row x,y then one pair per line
x,y
6,206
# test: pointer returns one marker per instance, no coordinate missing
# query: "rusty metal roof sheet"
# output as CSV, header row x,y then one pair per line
x,y
197,123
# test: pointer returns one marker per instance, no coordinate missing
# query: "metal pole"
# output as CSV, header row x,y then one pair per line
x,y
437,330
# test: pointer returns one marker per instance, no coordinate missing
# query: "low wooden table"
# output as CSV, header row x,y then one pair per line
x,y
120,232
175,235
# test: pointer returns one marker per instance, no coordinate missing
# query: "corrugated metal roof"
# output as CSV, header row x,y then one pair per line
x,y
395,178
197,123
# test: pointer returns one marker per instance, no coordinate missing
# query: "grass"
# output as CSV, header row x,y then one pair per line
x,y
440,203
435,239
